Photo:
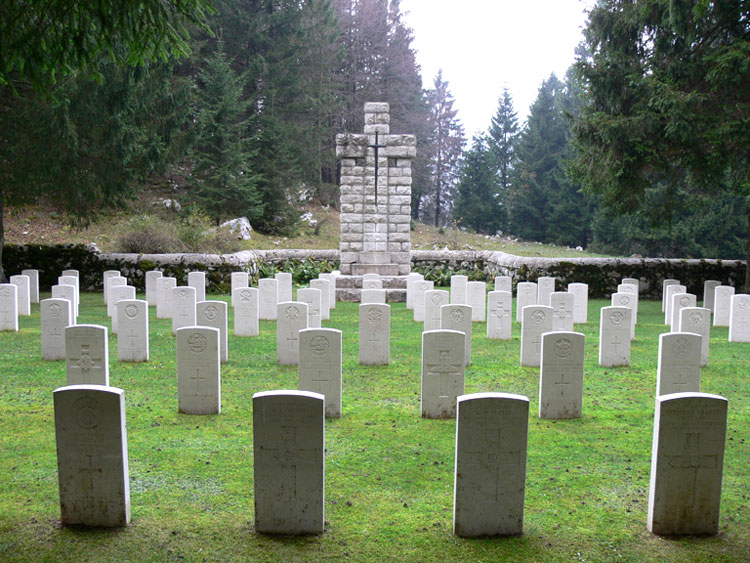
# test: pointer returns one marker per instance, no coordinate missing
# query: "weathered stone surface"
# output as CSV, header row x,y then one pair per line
x,y
132,330
614,336
698,321
214,315
678,368
687,462
442,372
490,467
374,333
292,317
561,375
537,320
458,318
499,315
86,355
55,318
320,366
289,462
92,455
198,370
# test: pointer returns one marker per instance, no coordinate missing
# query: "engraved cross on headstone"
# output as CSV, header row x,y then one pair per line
x,y
693,461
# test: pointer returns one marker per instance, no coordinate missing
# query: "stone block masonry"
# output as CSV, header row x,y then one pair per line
x,y
375,196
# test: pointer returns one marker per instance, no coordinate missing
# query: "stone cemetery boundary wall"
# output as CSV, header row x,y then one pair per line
x,y
601,274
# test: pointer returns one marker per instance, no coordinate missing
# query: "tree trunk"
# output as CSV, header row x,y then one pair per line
x,y
747,246
2,239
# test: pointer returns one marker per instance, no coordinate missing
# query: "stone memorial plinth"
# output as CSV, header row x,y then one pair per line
x,y
375,196
86,355
490,467
580,293
499,315
687,462
614,336
320,366
292,317
698,321
268,298
678,368
289,462
739,318
442,372
525,296
245,301
434,299
8,307
92,456
55,318
537,320
374,334
198,370
561,375
458,317
132,330
459,289
151,290
214,314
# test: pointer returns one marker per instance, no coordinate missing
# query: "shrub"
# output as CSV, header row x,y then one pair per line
x,y
147,234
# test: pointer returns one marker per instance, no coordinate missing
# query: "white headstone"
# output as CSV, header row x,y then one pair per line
x,y
132,330
164,287
410,279
561,375
709,286
666,283
545,287
537,320
198,370
33,284
67,292
116,294
56,317
370,276
562,304
458,318
490,467
633,290
86,355
105,281
372,296
8,307
687,461
92,456
442,372
151,289
325,296
526,295
198,281
292,317
312,297
476,292
698,321
374,334
679,363
499,315
245,301
504,283
626,300
23,296
614,336
214,314
320,366
284,287
632,281
372,284
669,292
679,302
434,299
459,290
289,462
238,280
182,299
580,293
722,304
420,288
268,298
72,280
331,279
74,273
739,318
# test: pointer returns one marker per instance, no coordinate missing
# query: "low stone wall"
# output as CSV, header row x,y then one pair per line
x,y
602,274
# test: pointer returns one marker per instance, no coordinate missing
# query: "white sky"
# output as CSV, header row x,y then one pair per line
x,y
484,45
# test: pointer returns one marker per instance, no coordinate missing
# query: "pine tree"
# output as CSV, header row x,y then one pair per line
x,y
478,205
503,132
223,181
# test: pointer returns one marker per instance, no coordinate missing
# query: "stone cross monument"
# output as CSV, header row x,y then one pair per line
x,y
375,197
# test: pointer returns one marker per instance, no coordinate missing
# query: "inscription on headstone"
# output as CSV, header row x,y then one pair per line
x,y
442,372
198,370
374,334
320,366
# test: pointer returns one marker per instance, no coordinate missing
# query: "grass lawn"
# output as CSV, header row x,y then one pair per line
x,y
389,474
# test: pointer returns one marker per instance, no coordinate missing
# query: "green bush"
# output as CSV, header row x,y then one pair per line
x,y
147,234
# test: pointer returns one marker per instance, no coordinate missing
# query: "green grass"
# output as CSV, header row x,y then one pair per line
x,y
389,474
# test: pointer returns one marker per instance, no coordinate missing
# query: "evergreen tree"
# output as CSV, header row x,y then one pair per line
x,y
447,136
478,204
223,182
503,132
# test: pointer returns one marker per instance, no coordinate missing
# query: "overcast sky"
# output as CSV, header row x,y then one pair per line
x,y
484,45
